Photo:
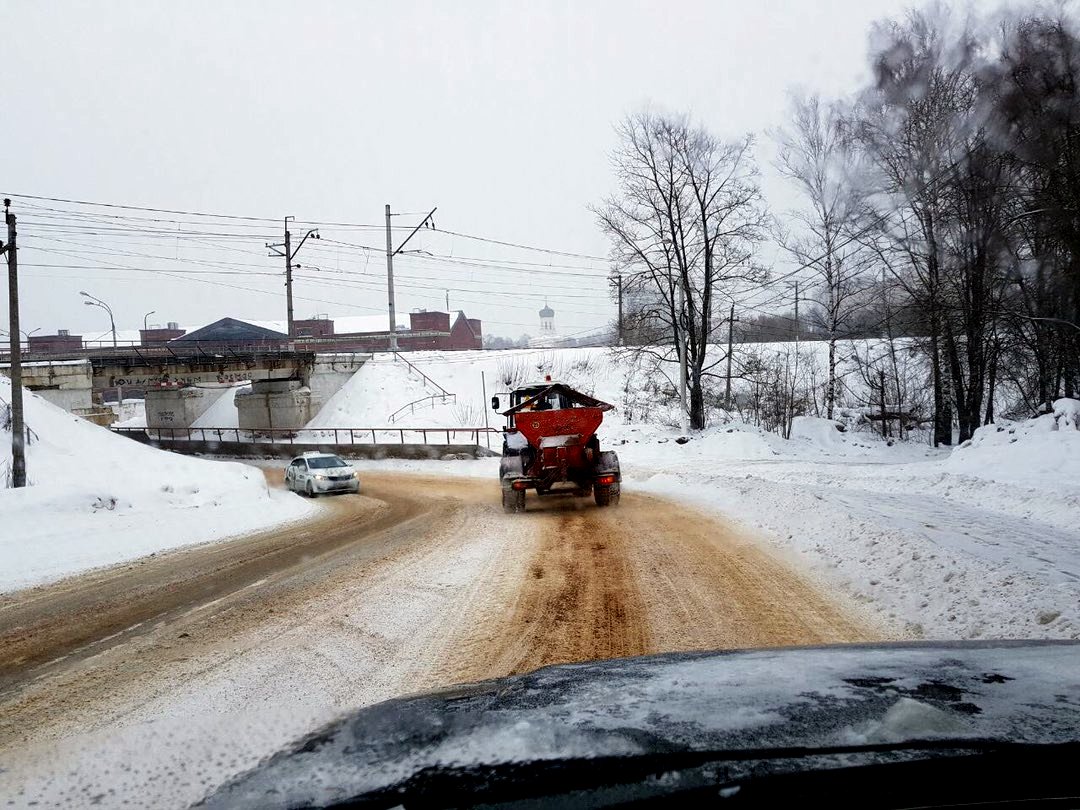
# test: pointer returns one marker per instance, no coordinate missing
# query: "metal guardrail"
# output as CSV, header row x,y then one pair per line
x,y
411,406
427,380
356,435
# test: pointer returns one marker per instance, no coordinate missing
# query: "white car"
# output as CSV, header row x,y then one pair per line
x,y
315,473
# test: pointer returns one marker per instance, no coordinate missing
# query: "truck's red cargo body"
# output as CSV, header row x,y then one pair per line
x,y
559,436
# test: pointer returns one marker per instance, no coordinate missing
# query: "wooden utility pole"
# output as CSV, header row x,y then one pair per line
x,y
730,341
18,429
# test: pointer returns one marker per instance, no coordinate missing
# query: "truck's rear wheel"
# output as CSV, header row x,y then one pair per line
x,y
513,500
603,494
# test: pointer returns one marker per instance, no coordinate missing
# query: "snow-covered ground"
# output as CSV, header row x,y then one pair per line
x,y
982,542
96,498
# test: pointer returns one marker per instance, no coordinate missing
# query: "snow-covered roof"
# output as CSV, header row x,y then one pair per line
x,y
344,325
366,323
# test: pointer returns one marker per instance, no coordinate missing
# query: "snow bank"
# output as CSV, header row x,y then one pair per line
x,y
96,498
1043,451
379,388
222,413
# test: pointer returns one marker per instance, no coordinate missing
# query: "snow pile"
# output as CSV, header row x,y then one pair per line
x,y
96,498
1044,451
222,412
646,444
379,388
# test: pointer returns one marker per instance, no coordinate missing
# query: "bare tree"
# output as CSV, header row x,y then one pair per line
x,y
684,226
818,153
912,123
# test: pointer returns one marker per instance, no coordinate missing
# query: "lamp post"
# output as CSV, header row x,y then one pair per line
x,y
144,317
97,302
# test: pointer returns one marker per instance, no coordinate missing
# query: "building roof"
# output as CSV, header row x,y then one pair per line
x,y
231,329
547,312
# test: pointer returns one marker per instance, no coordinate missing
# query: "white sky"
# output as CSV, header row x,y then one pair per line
x,y
501,114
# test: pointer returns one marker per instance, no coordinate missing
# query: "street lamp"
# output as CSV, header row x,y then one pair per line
x,y
144,317
97,302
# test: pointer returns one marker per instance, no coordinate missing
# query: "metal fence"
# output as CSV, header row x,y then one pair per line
x,y
307,436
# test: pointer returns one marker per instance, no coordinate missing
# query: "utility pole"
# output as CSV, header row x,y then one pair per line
x,y
288,281
286,251
682,359
730,341
18,430
390,281
390,253
448,301
483,388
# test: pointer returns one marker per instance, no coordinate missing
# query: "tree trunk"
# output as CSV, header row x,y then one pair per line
x,y
959,387
830,392
942,414
697,402
991,386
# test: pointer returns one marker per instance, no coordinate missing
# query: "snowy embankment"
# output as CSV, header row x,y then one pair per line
x,y
96,499
982,542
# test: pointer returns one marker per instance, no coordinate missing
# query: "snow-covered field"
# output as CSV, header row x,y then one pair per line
x,y
96,498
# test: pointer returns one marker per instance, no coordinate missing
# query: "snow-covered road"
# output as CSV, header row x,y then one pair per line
x,y
441,588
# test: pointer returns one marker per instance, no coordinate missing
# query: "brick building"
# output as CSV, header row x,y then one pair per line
x,y
430,331
427,331
62,341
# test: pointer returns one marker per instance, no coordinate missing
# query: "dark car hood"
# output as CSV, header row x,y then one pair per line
x,y
764,699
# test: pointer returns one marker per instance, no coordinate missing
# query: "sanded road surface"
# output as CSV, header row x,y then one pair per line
x,y
419,582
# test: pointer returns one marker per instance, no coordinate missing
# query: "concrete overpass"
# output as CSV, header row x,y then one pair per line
x,y
288,387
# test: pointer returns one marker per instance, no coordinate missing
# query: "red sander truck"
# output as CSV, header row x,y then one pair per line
x,y
550,445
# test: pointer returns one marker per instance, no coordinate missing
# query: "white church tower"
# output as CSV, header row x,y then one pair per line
x,y
547,320
548,338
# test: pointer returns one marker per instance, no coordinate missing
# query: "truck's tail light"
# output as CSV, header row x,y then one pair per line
x,y
606,480
520,485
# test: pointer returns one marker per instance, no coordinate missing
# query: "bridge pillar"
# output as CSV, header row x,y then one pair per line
x,y
177,407
66,384
330,372
275,405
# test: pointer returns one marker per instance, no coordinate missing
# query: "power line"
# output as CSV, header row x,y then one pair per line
x,y
520,246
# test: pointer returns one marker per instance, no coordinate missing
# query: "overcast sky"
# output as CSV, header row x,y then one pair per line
x,y
501,114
